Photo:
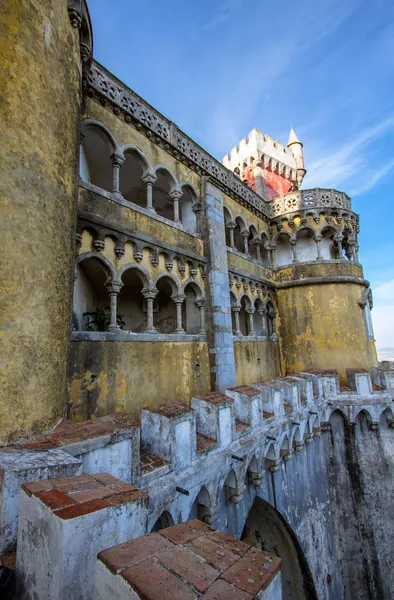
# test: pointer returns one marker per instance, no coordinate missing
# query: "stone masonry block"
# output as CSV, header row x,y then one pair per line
x,y
329,380
169,431
359,380
272,397
64,523
18,466
214,417
247,404
290,391
187,561
384,378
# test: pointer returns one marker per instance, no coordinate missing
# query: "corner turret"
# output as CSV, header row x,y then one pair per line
x,y
296,148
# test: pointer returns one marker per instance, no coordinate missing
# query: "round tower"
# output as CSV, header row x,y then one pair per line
x,y
296,148
43,47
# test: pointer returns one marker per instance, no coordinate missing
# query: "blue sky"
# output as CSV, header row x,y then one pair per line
x,y
326,68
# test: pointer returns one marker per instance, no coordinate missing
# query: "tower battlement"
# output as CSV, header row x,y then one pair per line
x,y
267,166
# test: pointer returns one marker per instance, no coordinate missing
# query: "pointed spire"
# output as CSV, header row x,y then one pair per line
x,y
293,138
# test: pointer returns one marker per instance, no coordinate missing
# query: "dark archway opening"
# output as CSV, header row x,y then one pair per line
x,y
267,530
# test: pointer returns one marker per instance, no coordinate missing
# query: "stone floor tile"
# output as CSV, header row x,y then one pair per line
x,y
179,534
153,582
253,572
189,566
130,553
222,590
216,555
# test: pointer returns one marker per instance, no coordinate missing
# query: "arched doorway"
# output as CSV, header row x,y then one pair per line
x,y
267,530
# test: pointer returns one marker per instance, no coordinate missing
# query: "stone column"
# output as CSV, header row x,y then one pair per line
x,y
264,329
231,227
149,180
113,289
339,239
201,308
178,300
258,250
293,243
245,237
220,335
196,208
236,310
149,295
251,330
272,249
318,239
175,195
117,162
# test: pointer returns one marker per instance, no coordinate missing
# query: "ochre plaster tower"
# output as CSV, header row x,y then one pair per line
x,y
43,46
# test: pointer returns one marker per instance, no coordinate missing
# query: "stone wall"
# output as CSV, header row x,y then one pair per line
x,y
40,83
111,376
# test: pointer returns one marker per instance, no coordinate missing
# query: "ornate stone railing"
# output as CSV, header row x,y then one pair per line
x,y
135,110
310,199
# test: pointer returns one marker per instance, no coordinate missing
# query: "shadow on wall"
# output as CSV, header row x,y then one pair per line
x,y
266,530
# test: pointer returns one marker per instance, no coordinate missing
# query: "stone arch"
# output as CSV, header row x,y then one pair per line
x,y
191,318
202,506
266,529
97,148
168,289
163,521
253,236
172,279
141,272
187,204
166,190
240,227
131,303
264,256
271,318
386,418
364,412
284,251
228,219
246,303
306,245
135,167
328,244
259,317
93,272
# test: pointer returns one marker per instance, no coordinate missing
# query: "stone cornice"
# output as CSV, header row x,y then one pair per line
x,y
280,285
125,103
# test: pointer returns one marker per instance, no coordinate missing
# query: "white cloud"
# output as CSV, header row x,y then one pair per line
x,y
383,314
225,12
338,165
371,178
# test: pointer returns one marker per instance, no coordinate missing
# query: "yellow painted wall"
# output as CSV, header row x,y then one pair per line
x,y
243,264
39,109
127,217
256,361
322,327
108,377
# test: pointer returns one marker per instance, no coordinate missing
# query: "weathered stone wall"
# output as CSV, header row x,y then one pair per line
x,y
256,360
39,105
337,498
322,326
112,376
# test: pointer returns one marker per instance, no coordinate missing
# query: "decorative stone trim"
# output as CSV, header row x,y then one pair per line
x,y
320,280
107,89
308,199
123,336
